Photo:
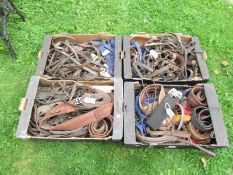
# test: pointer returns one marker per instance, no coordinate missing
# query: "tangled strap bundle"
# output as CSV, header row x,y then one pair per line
x,y
146,102
156,90
81,111
164,58
163,135
86,61
181,127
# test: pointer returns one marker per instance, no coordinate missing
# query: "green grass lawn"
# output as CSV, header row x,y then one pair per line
x,y
211,21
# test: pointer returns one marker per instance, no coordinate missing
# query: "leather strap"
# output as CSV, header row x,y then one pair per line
x,y
183,134
79,103
63,38
208,152
159,94
196,97
201,119
170,139
155,140
35,130
101,128
197,135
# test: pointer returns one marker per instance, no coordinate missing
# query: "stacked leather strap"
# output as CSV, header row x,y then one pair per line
x,y
101,128
81,112
80,61
196,97
146,102
190,122
164,58
201,125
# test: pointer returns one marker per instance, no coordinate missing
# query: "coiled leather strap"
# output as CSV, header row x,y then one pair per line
x,y
101,128
201,119
195,134
196,97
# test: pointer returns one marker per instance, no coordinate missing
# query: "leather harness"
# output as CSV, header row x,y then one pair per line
x,y
85,61
58,114
164,58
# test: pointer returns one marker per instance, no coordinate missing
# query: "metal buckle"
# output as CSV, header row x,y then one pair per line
x,y
78,100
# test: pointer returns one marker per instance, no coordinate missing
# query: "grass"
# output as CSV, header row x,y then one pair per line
x,y
211,21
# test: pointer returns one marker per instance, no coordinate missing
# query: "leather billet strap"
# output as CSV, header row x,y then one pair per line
x,y
164,58
80,61
76,110
196,97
